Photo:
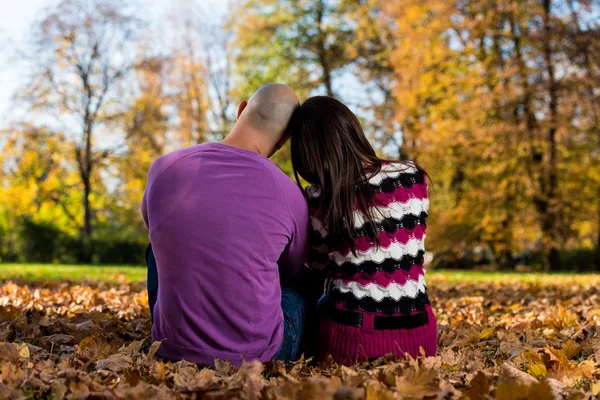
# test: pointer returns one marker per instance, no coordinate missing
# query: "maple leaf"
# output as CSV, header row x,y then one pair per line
x,y
188,378
417,382
65,360
116,363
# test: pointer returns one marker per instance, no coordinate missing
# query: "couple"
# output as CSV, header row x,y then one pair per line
x,y
240,256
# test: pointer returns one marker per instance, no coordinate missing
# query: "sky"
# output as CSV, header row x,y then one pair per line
x,y
17,17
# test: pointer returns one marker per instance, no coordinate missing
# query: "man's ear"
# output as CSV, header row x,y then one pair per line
x,y
241,108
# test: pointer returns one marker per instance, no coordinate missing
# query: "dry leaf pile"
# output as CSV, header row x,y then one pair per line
x,y
497,341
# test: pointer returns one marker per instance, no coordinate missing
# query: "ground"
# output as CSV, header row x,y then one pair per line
x,y
83,332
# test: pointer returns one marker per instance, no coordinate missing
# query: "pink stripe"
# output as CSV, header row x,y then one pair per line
x,y
383,278
401,195
402,235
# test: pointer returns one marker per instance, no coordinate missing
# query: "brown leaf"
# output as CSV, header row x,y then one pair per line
x,y
249,378
417,382
509,373
8,393
9,351
93,348
479,387
9,313
116,363
188,378
152,352
11,374
60,338
58,388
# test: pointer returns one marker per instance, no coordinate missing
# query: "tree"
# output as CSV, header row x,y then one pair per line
x,y
583,39
486,94
201,75
81,59
306,44
38,186
370,51
146,125
303,43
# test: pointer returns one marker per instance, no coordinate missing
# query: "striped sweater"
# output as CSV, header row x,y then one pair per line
x,y
385,280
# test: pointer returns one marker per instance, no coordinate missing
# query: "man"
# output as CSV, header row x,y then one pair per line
x,y
224,223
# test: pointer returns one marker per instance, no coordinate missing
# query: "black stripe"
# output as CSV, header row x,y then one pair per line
x,y
318,257
389,184
388,225
344,317
388,265
355,319
405,305
313,202
401,321
391,225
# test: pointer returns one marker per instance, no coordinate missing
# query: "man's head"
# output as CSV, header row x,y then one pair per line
x,y
263,119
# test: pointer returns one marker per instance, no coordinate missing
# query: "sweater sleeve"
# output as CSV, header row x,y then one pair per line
x,y
318,256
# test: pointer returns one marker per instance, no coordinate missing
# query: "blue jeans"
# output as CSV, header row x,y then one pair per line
x,y
293,304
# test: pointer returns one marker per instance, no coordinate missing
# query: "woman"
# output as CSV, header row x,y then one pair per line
x,y
368,222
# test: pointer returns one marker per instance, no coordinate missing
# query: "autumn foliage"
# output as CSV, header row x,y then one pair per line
x,y
511,340
496,99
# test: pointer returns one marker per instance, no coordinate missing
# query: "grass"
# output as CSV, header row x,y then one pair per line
x,y
514,277
57,272
111,273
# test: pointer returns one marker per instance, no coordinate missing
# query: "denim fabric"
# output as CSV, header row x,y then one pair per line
x,y
152,280
293,305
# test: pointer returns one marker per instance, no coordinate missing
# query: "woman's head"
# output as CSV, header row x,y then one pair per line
x,y
328,141
330,150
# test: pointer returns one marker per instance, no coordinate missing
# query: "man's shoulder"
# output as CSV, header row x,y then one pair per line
x,y
164,161
288,186
290,190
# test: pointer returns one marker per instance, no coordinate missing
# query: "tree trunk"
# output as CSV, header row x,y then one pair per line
x,y
87,220
327,80
597,258
550,178
86,165
585,49
322,51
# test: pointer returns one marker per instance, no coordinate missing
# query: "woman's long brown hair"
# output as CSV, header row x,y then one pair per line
x,y
330,150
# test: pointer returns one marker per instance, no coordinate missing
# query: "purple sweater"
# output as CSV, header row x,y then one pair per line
x,y
224,223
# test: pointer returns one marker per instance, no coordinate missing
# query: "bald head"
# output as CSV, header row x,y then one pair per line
x,y
262,120
270,108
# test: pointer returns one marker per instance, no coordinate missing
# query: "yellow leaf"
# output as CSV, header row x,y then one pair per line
x,y
571,348
535,364
537,370
596,388
487,332
23,350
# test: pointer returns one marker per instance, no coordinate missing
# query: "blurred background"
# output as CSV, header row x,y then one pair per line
x,y
499,100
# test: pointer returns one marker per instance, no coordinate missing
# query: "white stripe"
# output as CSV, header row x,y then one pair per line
x,y
396,251
387,171
393,291
392,171
395,210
